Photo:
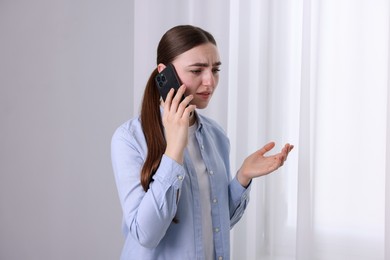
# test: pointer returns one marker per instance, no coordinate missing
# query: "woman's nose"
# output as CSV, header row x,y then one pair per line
x,y
208,79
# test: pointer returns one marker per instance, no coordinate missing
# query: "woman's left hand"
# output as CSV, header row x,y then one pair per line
x,y
257,164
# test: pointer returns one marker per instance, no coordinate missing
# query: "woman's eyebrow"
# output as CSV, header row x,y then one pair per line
x,y
200,64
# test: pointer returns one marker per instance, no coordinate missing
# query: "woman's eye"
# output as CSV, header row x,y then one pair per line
x,y
216,70
196,71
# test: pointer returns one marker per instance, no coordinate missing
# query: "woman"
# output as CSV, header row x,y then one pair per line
x,y
171,164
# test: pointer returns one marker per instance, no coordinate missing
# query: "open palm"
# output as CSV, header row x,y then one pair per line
x,y
258,164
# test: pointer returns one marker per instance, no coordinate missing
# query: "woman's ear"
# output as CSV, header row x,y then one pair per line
x,y
160,67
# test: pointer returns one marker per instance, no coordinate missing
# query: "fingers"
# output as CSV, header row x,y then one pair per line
x,y
285,151
174,104
266,148
184,107
168,100
280,157
188,110
178,96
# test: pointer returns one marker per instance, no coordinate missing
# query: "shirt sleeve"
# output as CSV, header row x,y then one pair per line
x,y
147,215
238,200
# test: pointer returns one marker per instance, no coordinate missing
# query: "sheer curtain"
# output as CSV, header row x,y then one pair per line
x,y
313,73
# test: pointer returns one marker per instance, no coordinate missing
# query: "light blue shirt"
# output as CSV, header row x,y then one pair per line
x,y
147,216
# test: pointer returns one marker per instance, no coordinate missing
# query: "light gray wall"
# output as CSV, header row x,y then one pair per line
x,y
65,85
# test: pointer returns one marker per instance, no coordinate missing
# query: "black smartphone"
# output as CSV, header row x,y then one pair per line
x,y
167,79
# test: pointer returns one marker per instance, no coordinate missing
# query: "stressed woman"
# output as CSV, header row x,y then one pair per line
x,y
171,164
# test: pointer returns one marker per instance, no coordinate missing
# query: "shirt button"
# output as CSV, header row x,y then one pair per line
x,y
202,147
220,258
180,177
215,200
211,172
216,230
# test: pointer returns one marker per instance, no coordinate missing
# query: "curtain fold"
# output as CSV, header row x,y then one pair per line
x,y
387,169
304,224
313,73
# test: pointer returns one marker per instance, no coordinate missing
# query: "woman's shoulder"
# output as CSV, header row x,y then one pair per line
x,y
129,135
129,129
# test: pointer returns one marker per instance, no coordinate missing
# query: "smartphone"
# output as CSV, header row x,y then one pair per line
x,y
167,79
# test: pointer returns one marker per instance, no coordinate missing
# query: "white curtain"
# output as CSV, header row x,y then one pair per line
x,y
313,73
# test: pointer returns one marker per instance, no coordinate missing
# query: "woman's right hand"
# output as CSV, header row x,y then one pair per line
x,y
175,119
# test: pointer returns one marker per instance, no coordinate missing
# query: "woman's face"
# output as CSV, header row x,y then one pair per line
x,y
198,69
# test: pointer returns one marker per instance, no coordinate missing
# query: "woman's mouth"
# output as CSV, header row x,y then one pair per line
x,y
204,95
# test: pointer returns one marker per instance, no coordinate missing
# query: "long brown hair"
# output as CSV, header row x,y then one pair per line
x,y
174,42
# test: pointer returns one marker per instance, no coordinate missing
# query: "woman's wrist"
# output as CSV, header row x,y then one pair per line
x,y
243,179
174,154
